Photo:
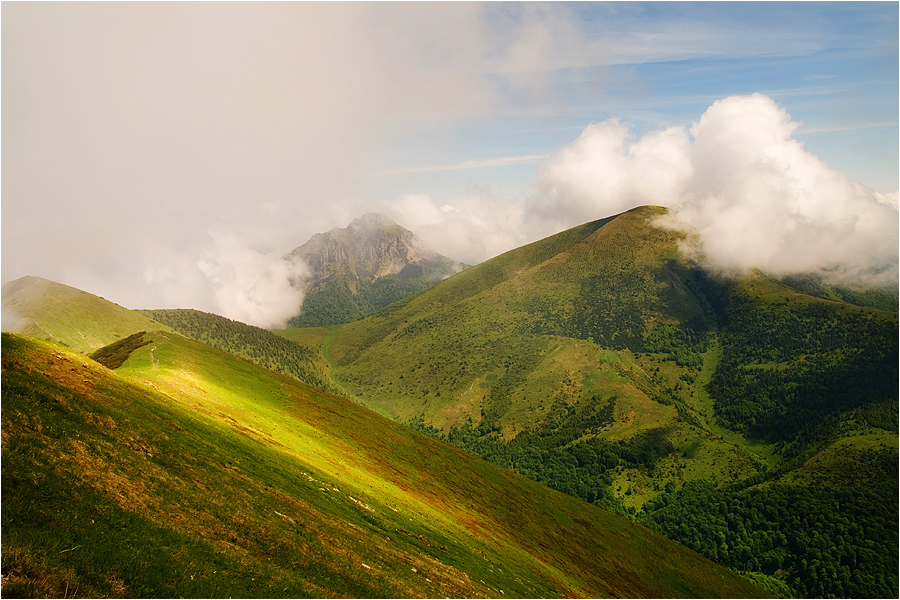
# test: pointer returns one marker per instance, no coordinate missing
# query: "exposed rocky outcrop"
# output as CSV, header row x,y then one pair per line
x,y
363,267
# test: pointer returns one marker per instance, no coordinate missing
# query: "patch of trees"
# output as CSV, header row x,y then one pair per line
x,y
257,345
613,304
338,300
682,343
823,542
788,370
883,299
329,304
114,355
609,309
558,455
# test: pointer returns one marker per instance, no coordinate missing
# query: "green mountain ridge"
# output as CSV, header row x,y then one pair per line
x,y
753,420
602,363
187,471
52,311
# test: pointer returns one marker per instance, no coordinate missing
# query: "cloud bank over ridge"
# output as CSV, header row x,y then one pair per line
x,y
167,155
749,195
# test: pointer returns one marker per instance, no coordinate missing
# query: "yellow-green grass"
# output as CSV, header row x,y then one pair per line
x,y
193,473
77,319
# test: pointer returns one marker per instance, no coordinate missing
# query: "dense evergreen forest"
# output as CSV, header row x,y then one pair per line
x,y
789,369
822,541
251,343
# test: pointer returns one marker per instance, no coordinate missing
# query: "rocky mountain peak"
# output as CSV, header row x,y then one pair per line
x,y
370,247
358,269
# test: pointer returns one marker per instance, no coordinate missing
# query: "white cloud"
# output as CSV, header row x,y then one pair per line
x,y
132,129
602,168
752,196
414,211
749,194
472,227
249,286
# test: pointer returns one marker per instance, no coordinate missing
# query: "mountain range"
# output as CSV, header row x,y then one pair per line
x,y
752,421
162,467
602,363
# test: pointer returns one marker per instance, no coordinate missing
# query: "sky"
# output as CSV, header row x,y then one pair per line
x,y
167,155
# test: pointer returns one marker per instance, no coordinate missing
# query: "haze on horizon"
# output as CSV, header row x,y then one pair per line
x,y
169,154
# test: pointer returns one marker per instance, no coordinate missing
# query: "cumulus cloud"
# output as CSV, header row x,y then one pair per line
x,y
602,172
746,192
749,194
250,286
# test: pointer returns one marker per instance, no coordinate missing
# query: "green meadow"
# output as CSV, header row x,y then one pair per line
x,y
190,472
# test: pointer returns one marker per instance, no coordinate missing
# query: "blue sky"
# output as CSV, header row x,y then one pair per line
x,y
169,154
831,65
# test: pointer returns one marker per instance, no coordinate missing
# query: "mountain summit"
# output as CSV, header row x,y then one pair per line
x,y
363,267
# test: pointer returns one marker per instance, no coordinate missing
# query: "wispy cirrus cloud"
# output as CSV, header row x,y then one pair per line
x,y
468,164
847,127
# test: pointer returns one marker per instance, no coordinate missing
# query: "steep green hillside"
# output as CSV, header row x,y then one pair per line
x,y
256,345
52,311
600,362
189,472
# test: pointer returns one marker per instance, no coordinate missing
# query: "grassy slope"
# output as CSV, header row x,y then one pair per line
x,y
63,314
453,353
490,343
257,345
189,472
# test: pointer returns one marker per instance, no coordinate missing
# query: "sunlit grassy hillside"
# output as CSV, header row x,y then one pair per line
x,y
189,472
52,311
